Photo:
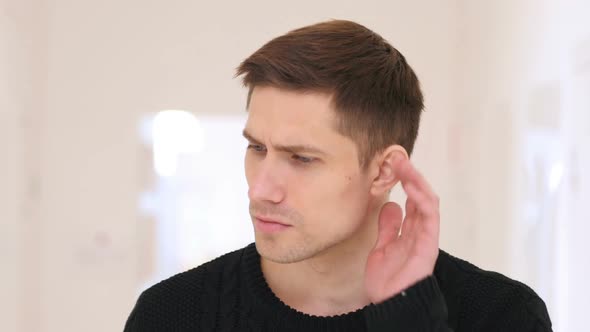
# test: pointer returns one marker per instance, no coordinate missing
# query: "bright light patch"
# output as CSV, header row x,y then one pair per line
x,y
174,133
555,176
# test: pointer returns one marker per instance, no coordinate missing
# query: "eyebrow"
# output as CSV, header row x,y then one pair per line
x,y
298,148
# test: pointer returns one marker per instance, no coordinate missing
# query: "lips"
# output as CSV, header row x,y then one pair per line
x,y
269,226
270,220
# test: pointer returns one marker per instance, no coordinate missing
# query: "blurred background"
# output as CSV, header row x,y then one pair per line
x,y
121,150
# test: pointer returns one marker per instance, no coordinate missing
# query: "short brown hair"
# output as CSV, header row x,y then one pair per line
x,y
375,92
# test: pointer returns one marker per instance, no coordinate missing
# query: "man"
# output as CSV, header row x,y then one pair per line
x,y
333,114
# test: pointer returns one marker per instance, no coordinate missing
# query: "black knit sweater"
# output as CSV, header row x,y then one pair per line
x,y
231,294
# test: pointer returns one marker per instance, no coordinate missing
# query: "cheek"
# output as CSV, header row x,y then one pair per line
x,y
354,192
247,168
334,200
250,167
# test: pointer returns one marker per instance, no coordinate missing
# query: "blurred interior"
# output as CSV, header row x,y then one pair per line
x,y
122,152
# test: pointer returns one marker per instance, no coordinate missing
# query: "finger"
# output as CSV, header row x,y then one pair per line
x,y
410,218
412,212
410,208
426,211
390,221
408,174
421,203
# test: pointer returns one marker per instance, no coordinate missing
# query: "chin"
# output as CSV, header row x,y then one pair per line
x,y
272,250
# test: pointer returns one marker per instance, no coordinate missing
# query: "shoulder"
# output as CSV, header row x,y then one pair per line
x,y
186,285
188,293
487,300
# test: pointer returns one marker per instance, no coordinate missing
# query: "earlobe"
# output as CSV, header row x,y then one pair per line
x,y
386,177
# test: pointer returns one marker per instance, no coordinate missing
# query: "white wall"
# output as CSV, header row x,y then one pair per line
x,y
525,78
11,192
21,107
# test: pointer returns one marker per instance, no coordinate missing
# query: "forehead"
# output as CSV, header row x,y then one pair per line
x,y
286,110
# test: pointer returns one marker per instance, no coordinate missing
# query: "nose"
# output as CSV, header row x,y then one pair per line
x,y
266,184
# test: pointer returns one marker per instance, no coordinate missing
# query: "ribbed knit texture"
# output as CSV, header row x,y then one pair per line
x,y
231,294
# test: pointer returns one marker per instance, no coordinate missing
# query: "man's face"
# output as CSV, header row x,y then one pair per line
x,y
302,173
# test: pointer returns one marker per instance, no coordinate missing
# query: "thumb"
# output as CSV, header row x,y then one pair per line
x,y
390,222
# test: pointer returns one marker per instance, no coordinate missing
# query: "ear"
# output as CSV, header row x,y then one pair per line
x,y
385,164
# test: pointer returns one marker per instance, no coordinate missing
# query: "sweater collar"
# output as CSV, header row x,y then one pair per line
x,y
269,308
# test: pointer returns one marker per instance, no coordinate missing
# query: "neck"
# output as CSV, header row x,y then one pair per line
x,y
330,283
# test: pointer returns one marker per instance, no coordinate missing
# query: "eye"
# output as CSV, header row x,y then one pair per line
x,y
302,159
257,147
